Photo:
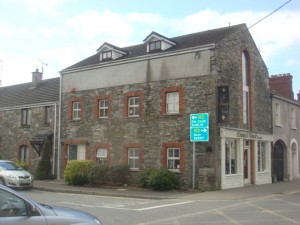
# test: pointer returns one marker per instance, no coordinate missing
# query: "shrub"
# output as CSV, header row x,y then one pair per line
x,y
24,165
43,171
98,173
77,171
159,179
117,174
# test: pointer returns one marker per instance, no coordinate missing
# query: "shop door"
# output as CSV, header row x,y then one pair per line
x,y
246,162
278,162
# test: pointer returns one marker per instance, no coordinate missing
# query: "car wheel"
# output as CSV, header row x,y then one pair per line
x,y
2,181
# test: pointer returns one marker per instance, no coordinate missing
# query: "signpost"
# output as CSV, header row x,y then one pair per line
x,y
199,132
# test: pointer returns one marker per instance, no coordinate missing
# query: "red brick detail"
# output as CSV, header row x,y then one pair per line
x,y
102,145
66,143
164,154
70,111
163,99
96,105
283,84
141,101
133,145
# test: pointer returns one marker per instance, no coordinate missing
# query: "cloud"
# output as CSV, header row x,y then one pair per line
x,y
92,24
45,6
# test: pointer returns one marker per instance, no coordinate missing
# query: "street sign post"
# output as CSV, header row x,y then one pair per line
x,y
199,132
199,127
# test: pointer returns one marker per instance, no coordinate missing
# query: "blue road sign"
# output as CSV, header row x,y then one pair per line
x,y
199,127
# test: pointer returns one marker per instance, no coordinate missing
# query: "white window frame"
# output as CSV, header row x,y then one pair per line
x,y
173,159
293,118
155,45
245,77
107,55
26,117
172,102
76,110
133,107
231,157
101,156
47,114
261,156
79,150
24,153
103,109
133,158
277,114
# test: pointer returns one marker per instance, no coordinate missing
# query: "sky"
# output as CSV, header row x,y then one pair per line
x,y
54,34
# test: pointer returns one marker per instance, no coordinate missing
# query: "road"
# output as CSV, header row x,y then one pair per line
x,y
281,209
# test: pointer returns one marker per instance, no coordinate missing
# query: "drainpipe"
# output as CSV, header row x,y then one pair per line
x,y
59,132
54,138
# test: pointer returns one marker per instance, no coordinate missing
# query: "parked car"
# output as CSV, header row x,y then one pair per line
x,y
14,176
16,209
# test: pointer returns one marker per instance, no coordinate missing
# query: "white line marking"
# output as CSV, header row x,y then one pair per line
x,y
161,206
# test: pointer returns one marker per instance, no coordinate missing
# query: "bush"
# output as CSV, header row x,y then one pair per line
x,y
77,171
117,174
24,165
98,173
43,171
159,179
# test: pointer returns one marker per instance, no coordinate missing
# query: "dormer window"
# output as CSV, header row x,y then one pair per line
x,y
154,45
106,55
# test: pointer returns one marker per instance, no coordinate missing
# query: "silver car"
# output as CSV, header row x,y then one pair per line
x,y
18,210
12,175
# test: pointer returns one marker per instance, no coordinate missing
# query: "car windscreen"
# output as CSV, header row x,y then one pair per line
x,y
9,166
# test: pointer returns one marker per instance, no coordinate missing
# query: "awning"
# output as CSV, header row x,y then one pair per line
x,y
38,141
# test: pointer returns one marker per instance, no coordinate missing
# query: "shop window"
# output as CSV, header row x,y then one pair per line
x,y
261,156
231,157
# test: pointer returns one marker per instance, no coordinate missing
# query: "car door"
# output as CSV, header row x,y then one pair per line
x,y
14,210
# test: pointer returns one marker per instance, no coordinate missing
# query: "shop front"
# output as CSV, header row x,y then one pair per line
x,y
245,158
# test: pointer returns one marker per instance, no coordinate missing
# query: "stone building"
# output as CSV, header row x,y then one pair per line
x,y
133,104
286,124
28,114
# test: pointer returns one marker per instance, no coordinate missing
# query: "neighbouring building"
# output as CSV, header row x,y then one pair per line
x,y
28,115
286,124
133,104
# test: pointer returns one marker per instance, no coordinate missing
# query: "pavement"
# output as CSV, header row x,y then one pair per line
x,y
251,191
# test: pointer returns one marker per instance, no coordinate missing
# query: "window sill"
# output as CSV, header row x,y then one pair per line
x,y
25,126
172,114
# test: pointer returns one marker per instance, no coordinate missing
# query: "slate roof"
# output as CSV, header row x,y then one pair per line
x,y
25,94
182,42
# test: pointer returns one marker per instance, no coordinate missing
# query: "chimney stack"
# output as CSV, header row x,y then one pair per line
x,y
36,77
282,84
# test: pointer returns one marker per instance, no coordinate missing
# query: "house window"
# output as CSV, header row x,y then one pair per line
x,y
76,152
26,117
173,159
133,158
245,75
154,45
102,156
261,156
172,102
103,108
277,114
24,154
133,106
293,118
47,115
76,110
106,55
231,157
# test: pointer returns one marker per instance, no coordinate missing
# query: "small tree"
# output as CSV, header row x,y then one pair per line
x,y
43,171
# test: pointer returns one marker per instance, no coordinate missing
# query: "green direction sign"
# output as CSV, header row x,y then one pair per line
x,y
199,127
